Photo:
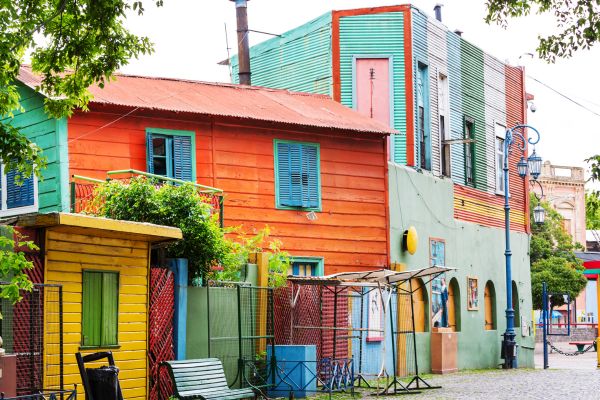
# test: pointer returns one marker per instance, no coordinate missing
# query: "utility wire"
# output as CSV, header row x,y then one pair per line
x,y
564,96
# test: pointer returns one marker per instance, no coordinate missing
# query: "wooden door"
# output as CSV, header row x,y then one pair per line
x,y
451,307
419,304
488,307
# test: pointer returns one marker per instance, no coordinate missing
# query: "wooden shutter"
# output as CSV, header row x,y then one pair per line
x,y
150,155
182,157
92,308
288,174
19,195
110,306
451,304
310,181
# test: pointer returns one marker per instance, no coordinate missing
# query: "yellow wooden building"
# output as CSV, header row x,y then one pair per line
x,y
103,266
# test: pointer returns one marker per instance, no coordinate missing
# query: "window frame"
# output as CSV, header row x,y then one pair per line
x,y
422,72
443,114
7,212
320,261
497,153
278,204
471,146
170,133
116,345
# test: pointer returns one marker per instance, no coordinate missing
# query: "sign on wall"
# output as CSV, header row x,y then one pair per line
x,y
439,291
375,333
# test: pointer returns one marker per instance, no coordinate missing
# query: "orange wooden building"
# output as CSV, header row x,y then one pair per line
x,y
312,169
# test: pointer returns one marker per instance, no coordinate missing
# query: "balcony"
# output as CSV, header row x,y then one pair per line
x,y
83,189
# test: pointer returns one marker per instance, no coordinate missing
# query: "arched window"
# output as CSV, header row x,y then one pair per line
x,y
454,305
489,305
421,305
516,305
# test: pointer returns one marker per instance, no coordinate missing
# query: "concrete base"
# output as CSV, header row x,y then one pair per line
x,y
444,350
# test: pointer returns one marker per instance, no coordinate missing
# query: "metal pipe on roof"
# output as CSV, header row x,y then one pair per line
x,y
438,12
241,10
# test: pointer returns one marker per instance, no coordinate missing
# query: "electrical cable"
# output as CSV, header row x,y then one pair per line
x,y
564,96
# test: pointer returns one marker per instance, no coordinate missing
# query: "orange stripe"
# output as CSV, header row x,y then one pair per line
x,y
335,56
372,10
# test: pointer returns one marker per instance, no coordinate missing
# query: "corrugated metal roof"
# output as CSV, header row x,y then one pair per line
x,y
227,100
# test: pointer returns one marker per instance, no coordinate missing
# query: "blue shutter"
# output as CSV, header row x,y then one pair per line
x,y
310,181
182,157
297,192
19,195
150,150
284,174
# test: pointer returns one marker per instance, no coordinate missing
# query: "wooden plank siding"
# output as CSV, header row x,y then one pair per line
x,y
50,135
237,156
67,255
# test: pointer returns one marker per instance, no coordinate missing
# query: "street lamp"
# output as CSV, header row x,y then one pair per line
x,y
533,166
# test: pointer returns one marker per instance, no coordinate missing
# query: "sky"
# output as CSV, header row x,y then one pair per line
x,y
189,38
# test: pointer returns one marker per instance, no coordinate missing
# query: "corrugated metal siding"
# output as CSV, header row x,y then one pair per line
x,y
438,56
299,60
456,111
514,115
473,100
495,112
419,42
379,34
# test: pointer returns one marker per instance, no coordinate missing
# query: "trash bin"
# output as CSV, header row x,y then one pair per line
x,y
104,383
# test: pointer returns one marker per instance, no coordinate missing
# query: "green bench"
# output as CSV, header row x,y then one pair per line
x,y
202,379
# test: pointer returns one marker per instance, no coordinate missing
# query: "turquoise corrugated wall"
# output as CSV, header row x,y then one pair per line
x,y
376,35
473,105
51,136
299,60
456,107
420,55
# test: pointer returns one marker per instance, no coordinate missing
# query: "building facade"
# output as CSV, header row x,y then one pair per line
x,y
452,104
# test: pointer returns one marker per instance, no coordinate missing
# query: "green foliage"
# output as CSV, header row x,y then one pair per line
x,y
552,257
73,44
578,23
13,264
592,211
210,252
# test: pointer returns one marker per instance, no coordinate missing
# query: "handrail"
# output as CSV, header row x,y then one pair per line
x,y
85,178
163,178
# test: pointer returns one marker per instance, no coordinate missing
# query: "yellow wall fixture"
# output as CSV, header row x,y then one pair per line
x,y
410,240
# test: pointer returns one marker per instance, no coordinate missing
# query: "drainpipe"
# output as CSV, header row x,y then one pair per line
x,y
241,10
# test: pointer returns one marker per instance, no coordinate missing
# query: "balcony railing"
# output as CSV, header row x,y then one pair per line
x,y
83,189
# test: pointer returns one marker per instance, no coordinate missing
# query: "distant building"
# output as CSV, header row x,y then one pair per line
x,y
564,190
592,240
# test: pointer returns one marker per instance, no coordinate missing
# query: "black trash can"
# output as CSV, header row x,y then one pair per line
x,y
104,383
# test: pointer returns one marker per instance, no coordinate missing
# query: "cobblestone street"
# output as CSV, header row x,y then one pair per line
x,y
567,378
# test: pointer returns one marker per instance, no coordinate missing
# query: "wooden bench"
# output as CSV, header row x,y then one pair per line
x,y
582,345
202,379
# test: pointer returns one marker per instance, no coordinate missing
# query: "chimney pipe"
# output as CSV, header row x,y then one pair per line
x,y
241,8
438,12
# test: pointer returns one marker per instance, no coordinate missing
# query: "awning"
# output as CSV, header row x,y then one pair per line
x,y
371,278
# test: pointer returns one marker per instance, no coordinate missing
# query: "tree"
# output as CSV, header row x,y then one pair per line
x,y
73,44
592,211
14,264
553,258
578,23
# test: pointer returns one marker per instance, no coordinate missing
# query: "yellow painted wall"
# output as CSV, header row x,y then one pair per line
x,y
67,255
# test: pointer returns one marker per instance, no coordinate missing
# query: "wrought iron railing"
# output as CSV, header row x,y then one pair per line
x,y
46,395
83,189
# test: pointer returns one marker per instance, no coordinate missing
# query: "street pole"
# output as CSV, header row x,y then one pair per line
x,y
598,319
508,344
545,322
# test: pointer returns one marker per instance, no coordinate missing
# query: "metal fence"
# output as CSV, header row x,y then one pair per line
x,y
241,332
32,330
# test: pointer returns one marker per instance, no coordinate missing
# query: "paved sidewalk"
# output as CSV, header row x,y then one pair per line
x,y
555,360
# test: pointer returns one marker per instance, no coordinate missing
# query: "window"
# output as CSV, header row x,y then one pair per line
x,y
516,305
499,143
17,198
423,117
469,136
443,111
100,308
306,266
171,153
297,175
489,304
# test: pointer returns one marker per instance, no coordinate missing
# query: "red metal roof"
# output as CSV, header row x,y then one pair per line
x,y
228,100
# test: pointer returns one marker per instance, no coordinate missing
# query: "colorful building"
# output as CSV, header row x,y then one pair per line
x,y
311,169
452,104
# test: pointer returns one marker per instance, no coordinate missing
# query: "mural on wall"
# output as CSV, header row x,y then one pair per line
x,y
375,333
472,293
439,291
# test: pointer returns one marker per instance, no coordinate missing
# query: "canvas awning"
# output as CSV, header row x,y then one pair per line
x,y
371,278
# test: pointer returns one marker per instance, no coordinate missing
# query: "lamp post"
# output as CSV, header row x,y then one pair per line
x,y
533,166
